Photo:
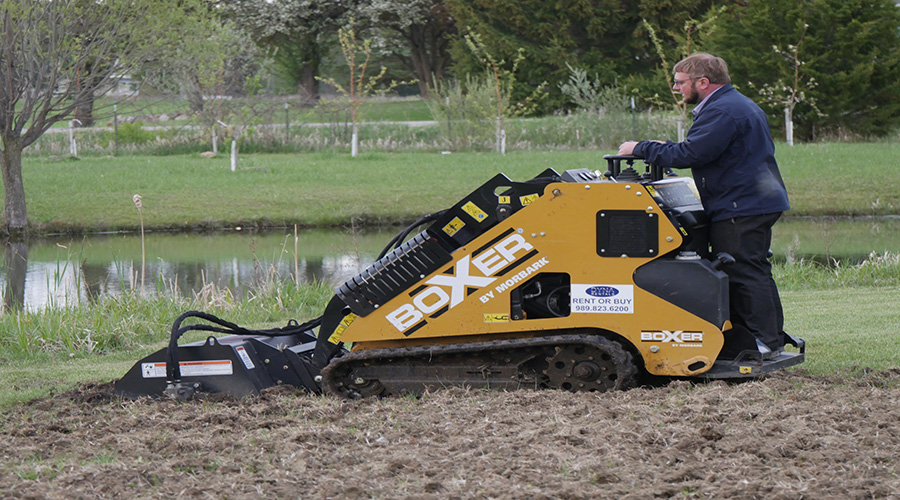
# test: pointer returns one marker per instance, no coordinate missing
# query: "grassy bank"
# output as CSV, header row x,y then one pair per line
x,y
321,189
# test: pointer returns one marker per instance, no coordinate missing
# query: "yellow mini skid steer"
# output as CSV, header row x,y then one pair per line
x,y
580,281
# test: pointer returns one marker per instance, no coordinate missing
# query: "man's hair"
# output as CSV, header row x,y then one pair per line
x,y
701,64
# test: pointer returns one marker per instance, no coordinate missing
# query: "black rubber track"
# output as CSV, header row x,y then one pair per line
x,y
520,363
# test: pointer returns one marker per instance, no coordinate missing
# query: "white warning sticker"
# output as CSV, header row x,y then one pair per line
x,y
245,357
189,368
602,299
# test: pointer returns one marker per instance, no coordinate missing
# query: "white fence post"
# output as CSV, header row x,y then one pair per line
x,y
234,154
73,148
789,126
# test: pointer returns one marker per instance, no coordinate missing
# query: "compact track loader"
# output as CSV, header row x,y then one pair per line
x,y
579,281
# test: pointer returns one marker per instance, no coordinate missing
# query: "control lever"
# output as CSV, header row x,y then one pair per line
x,y
722,259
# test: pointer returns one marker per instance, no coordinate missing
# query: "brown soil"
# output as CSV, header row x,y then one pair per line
x,y
791,435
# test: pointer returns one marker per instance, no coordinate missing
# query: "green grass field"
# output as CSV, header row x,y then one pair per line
x,y
326,189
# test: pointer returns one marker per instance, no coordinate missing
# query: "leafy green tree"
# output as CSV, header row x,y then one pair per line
x,y
418,35
294,32
466,110
215,59
54,57
850,49
791,92
590,95
604,37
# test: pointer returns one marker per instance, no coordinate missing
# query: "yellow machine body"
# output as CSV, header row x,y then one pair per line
x,y
470,297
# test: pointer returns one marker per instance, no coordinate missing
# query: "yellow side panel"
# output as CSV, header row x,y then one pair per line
x,y
555,233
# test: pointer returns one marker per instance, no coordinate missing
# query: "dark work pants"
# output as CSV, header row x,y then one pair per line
x,y
753,295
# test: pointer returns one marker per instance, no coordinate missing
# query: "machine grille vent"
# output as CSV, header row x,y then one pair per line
x,y
632,233
393,273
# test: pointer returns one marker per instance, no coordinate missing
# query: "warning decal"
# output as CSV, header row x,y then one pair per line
x,y
341,328
528,199
453,226
473,210
189,368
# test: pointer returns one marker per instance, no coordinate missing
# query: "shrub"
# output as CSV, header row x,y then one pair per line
x,y
130,133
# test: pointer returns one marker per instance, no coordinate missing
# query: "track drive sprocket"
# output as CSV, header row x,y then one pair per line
x,y
587,367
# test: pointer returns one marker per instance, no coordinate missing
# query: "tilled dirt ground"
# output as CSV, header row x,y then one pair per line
x,y
788,436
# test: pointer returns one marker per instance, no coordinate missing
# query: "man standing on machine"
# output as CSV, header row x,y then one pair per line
x,y
732,157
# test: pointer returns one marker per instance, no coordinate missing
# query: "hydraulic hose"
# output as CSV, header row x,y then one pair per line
x,y
398,239
173,369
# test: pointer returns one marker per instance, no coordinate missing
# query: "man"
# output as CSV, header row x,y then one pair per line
x,y
732,157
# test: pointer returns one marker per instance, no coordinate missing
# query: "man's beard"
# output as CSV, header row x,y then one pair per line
x,y
692,98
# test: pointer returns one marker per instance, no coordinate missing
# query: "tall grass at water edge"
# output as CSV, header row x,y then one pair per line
x,y
877,270
129,321
53,349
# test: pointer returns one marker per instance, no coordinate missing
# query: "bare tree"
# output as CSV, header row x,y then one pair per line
x,y
58,55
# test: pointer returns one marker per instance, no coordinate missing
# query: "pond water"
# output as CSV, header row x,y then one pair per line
x,y
54,272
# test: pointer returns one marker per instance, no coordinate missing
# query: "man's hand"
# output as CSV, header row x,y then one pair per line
x,y
627,148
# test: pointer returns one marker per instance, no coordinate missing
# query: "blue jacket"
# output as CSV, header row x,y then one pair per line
x,y
731,155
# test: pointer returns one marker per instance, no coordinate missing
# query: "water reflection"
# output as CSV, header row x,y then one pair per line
x,y
63,271
55,272
831,239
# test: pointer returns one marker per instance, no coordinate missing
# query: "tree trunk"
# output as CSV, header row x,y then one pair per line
x,y
421,64
427,45
84,113
307,84
87,82
14,213
425,77
195,95
428,56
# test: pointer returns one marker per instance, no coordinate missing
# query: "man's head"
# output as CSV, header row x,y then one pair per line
x,y
698,75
